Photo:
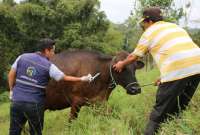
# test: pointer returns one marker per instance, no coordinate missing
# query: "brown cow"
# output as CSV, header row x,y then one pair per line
x,y
60,95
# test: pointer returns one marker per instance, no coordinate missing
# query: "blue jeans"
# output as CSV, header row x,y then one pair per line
x,y
21,112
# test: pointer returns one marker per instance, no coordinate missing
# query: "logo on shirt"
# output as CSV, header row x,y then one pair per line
x,y
31,71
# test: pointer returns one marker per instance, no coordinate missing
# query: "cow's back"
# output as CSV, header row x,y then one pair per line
x,y
61,94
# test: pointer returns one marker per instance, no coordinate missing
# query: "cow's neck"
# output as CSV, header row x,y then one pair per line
x,y
112,81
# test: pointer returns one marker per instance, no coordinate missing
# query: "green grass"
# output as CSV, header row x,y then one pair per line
x,y
121,115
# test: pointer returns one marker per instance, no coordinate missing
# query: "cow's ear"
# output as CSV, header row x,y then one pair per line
x,y
139,64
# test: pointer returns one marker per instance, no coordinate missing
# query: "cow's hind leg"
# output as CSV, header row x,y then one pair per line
x,y
74,112
75,109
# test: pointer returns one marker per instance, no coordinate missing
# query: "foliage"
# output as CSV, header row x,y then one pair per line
x,y
195,34
3,96
113,39
68,22
9,2
35,22
73,24
10,38
86,28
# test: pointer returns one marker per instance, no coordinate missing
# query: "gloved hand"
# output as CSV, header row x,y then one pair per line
x,y
87,78
10,94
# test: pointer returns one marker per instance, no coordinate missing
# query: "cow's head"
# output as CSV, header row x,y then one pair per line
x,y
126,78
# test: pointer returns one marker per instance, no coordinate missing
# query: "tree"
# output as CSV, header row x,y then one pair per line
x,y
9,2
36,22
10,38
71,23
113,40
84,25
195,34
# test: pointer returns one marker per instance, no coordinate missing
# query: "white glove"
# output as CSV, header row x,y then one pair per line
x,y
10,94
87,78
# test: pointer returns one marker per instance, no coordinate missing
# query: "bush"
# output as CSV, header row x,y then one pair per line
x,y
4,96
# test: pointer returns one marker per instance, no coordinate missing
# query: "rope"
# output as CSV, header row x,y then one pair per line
x,y
113,83
148,84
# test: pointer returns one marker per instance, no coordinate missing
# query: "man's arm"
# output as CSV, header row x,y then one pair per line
x,y
140,50
121,64
58,75
11,78
130,59
71,78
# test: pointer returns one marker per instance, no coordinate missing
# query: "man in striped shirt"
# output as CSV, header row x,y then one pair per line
x,y
178,59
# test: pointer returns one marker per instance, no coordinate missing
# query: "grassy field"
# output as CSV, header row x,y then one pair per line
x,y
121,115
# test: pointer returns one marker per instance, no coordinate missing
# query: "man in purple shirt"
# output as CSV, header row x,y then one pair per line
x,y
28,77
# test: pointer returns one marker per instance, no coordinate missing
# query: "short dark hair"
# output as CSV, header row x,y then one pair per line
x,y
153,14
45,43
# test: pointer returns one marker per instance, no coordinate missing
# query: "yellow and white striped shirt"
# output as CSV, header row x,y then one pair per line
x,y
174,52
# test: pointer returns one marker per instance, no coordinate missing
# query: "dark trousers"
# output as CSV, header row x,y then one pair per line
x,y
171,98
20,112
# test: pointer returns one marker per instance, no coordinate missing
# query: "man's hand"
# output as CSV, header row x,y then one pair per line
x,y
87,78
157,82
10,94
118,66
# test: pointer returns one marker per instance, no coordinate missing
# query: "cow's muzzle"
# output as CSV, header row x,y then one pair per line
x,y
133,88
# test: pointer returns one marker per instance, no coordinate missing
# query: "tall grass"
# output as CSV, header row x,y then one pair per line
x,y
121,115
